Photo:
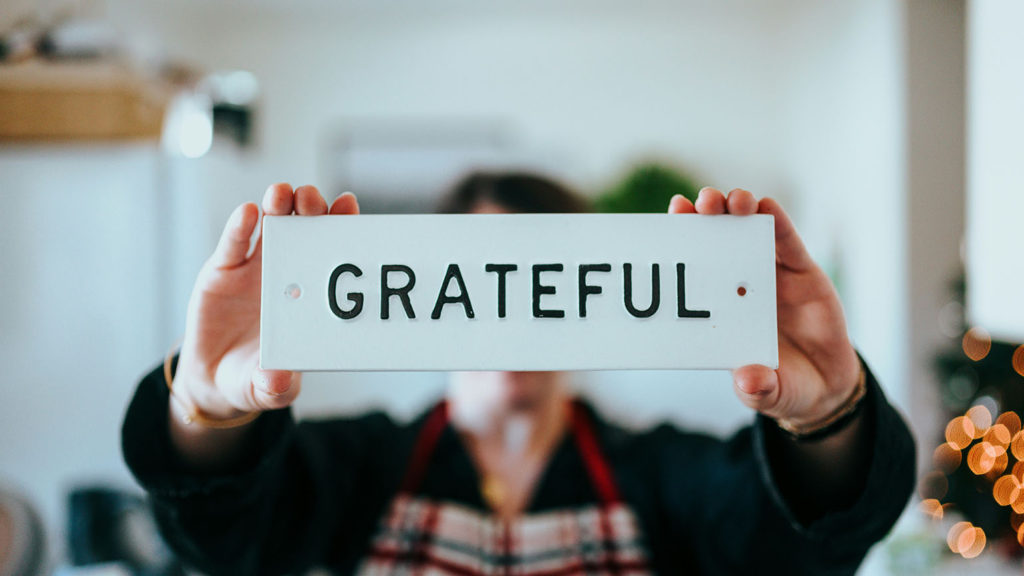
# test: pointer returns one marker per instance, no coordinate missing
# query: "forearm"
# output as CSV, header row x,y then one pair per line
x,y
207,450
202,448
822,475
834,499
210,517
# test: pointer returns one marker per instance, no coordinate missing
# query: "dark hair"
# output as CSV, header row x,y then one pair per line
x,y
516,191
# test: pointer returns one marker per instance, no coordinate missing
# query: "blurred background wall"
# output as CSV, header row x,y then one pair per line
x,y
851,113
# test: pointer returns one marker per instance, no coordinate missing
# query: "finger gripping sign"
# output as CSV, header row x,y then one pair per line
x,y
518,292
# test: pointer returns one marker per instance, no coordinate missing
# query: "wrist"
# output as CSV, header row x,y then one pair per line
x,y
834,420
820,399
195,399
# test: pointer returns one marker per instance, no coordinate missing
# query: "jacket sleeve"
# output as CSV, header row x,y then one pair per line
x,y
305,495
721,499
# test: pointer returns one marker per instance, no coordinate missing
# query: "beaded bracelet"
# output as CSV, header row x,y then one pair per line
x,y
192,413
832,423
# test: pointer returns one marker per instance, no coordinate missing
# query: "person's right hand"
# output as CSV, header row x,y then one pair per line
x,y
218,371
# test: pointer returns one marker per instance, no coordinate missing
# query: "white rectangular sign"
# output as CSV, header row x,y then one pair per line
x,y
518,292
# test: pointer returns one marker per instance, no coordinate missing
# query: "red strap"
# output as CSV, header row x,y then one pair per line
x,y
582,428
435,424
593,456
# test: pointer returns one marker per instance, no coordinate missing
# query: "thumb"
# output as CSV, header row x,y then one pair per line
x,y
273,389
757,386
233,247
789,248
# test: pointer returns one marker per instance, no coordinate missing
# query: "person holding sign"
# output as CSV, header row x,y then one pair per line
x,y
510,473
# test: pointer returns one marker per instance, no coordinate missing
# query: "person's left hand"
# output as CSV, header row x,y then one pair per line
x,y
818,367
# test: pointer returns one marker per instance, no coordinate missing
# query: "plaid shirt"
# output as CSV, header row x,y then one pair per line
x,y
423,536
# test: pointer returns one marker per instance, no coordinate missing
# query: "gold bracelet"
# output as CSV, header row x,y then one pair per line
x,y
192,413
836,417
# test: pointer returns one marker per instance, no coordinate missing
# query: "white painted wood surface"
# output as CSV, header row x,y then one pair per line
x,y
439,325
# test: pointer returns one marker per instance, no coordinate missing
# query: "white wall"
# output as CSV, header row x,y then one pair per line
x,y
796,98
78,314
996,168
599,82
800,100
844,138
692,83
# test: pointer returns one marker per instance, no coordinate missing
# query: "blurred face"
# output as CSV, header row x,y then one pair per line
x,y
488,207
504,391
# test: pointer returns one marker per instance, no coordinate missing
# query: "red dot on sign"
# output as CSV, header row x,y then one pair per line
x,y
741,291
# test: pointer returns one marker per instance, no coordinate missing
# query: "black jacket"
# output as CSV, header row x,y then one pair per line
x,y
311,494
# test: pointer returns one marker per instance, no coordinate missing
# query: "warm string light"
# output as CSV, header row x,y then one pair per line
x,y
981,418
989,446
932,507
946,458
1018,360
998,435
966,539
986,447
959,433
984,459
977,343
1011,420
933,486
1007,492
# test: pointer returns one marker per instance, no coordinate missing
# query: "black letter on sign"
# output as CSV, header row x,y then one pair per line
x,y
627,269
586,289
681,295
539,289
443,298
355,297
386,291
501,269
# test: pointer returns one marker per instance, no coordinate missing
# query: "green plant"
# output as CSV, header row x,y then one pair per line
x,y
648,187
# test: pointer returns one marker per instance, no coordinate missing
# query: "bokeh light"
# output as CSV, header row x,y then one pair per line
x,y
960,431
1016,521
998,435
972,542
933,486
977,343
1011,421
932,508
1018,471
1017,445
986,447
985,459
981,417
1006,490
998,466
953,536
1018,360
946,458
966,539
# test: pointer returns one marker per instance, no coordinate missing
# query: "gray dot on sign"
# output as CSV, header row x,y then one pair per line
x,y
293,291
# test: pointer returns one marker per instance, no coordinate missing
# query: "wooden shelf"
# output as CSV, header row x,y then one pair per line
x,y
73,101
